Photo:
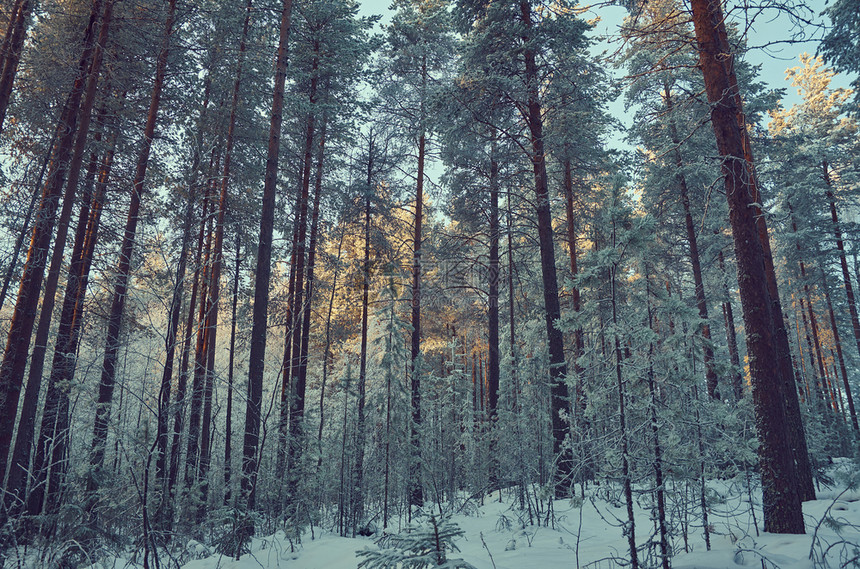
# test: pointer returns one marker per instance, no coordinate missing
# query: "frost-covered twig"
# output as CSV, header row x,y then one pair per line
x,y
816,539
488,550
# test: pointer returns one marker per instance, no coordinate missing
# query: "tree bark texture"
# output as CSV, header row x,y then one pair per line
x,y
781,502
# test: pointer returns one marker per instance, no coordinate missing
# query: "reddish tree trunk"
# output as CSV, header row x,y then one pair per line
x,y
849,290
165,515
358,467
108,376
416,487
53,436
781,502
198,380
493,371
228,425
297,403
695,262
25,225
263,276
731,335
215,281
162,468
171,342
13,44
201,349
301,378
794,423
833,327
555,338
24,316
59,404
578,338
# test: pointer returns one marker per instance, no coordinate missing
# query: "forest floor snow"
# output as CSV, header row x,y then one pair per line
x,y
588,534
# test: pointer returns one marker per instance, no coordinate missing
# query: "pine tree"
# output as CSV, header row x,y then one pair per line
x,y
781,502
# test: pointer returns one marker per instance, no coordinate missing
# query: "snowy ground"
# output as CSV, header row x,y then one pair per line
x,y
587,535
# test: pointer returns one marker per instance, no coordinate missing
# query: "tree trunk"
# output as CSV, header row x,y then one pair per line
x,y
781,502
695,262
665,552
512,332
13,45
301,380
14,15
217,262
228,425
493,320
211,325
166,515
358,467
253,408
24,316
108,376
416,487
794,422
297,402
290,329
834,329
59,439
25,225
195,411
162,468
582,424
629,525
555,338
731,335
849,290
171,341
53,436
813,321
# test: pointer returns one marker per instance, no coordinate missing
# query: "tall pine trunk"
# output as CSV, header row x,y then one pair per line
x,y
659,490
165,516
13,45
57,406
834,328
162,467
578,405
630,523
813,324
253,409
327,348
552,309
846,279
358,467
228,424
493,371
781,502
198,381
24,315
695,261
794,428
25,224
171,341
731,334
53,435
297,401
416,487
301,378
108,376
211,323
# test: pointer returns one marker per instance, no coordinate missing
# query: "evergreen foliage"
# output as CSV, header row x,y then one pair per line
x,y
420,546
